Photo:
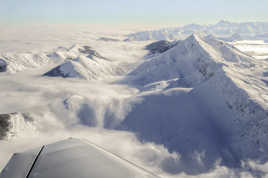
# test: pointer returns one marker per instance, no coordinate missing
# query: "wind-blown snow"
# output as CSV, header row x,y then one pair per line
x,y
196,109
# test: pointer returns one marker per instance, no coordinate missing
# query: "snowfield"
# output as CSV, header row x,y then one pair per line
x,y
197,107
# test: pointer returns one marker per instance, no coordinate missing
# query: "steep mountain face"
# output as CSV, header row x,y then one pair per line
x,y
192,61
188,61
205,107
248,30
85,63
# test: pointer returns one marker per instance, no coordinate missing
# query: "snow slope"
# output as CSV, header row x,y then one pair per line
x,y
192,60
17,62
85,63
210,105
196,109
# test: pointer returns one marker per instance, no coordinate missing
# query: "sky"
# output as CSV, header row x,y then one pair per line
x,y
132,11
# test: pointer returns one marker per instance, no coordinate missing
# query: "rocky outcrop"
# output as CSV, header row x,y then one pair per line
x,y
160,46
14,124
90,52
4,125
108,39
3,65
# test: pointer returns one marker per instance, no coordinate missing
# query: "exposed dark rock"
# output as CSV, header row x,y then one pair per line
x,y
27,117
3,65
108,39
4,125
265,81
7,125
160,46
91,52
56,72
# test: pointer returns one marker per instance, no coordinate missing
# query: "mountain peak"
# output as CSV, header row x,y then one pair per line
x,y
193,37
223,22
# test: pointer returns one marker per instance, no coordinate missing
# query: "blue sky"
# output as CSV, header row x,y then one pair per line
x,y
132,11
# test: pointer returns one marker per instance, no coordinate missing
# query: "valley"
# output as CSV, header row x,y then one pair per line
x,y
194,107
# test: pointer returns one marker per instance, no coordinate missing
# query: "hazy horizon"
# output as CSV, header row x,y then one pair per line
x,y
137,12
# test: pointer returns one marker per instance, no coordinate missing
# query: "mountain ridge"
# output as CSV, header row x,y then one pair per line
x,y
214,73
222,29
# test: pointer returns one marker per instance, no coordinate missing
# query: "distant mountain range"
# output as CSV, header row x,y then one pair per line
x,y
223,29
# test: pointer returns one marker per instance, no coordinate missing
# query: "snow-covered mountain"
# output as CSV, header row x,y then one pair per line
x,y
84,62
232,38
16,62
200,96
193,107
192,61
223,29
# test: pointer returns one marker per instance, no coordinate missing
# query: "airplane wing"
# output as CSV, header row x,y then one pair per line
x,y
71,158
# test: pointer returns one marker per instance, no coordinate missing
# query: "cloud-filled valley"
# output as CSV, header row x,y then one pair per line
x,y
194,107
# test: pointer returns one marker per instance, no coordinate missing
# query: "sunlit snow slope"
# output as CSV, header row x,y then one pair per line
x,y
195,107
202,97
